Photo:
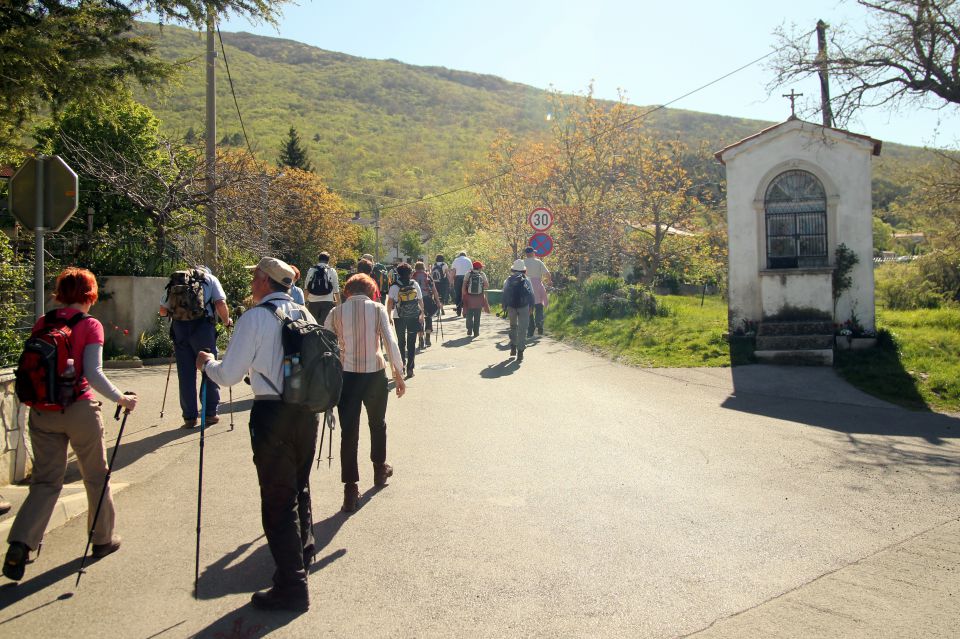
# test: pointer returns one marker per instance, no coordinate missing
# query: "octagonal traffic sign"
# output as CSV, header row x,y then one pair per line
x,y
60,193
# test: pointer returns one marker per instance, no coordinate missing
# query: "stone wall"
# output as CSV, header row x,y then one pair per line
x,y
14,460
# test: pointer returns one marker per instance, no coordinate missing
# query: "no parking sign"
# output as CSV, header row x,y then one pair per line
x,y
541,243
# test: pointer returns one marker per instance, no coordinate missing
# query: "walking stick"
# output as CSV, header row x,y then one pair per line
x,y
230,336
203,425
165,388
440,326
103,491
328,422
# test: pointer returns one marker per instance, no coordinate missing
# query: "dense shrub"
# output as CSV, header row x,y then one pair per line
x,y
604,297
157,342
905,287
14,279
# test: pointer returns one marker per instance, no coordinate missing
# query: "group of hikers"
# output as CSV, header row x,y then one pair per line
x,y
380,317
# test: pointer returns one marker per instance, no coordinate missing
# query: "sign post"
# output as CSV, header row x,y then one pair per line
x,y
43,197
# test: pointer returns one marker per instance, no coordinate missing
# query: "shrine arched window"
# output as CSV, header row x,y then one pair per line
x,y
795,210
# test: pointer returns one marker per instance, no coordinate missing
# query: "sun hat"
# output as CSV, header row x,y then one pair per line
x,y
519,266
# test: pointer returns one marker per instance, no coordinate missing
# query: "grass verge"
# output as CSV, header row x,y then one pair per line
x,y
916,363
689,335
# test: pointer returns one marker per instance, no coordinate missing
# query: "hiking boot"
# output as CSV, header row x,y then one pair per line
x,y
351,494
539,330
420,344
409,374
213,419
102,550
381,472
189,423
296,600
16,560
513,351
519,356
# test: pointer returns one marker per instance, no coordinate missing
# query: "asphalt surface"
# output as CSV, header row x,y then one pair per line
x,y
566,496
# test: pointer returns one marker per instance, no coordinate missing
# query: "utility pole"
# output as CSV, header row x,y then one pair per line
x,y
210,243
376,229
823,72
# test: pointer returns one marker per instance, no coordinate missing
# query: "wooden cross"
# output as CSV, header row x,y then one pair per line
x,y
793,98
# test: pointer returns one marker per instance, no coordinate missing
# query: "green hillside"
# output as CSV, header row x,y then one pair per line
x,y
383,125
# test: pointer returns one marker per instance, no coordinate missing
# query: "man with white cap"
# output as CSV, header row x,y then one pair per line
x,y
517,299
539,275
283,436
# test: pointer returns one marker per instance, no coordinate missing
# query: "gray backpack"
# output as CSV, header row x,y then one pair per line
x,y
312,372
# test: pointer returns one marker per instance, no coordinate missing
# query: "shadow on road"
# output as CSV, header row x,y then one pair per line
x,y
818,397
12,592
506,367
248,622
460,341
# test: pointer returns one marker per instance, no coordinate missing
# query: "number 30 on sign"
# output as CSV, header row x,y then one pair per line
x,y
540,219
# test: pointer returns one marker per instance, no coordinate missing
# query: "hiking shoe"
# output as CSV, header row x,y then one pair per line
x,y
213,419
519,356
409,374
16,560
513,351
351,494
428,341
539,330
381,472
276,599
5,506
102,550
308,554
189,423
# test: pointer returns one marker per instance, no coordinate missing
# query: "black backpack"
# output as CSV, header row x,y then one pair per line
x,y
516,295
320,283
474,283
185,298
436,274
312,371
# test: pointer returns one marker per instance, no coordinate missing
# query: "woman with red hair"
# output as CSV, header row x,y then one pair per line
x,y
360,323
78,424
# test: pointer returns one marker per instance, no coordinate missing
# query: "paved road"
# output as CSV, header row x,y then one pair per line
x,y
567,496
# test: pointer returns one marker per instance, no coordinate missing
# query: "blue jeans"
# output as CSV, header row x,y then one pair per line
x,y
189,338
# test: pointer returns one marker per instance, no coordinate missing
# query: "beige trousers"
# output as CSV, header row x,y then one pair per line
x,y
50,431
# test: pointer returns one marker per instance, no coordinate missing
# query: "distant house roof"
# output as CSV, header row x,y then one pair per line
x,y
790,122
6,172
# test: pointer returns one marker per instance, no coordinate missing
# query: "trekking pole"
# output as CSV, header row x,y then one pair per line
x,y
103,491
440,326
322,434
229,337
165,388
331,422
203,425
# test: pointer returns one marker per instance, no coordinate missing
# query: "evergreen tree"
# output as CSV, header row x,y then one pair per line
x,y
292,153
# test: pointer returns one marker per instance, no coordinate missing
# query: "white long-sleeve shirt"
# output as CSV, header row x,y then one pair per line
x,y
256,348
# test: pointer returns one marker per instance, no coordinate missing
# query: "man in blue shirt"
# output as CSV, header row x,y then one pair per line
x,y
190,336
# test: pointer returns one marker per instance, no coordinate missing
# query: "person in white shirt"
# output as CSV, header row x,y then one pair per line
x,y
283,436
460,267
323,288
537,272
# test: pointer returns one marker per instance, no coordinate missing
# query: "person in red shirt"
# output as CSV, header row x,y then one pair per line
x,y
79,424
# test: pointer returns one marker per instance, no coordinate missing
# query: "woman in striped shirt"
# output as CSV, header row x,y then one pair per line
x,y
360,323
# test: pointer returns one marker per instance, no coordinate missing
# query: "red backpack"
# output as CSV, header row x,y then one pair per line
x,y
40,379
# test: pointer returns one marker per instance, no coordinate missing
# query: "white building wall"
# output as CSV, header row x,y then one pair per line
x,y
842,163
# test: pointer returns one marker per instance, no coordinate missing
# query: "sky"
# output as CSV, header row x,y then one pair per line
x,y
654,51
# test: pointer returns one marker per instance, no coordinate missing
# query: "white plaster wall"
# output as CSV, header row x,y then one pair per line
x,y
809,289
843,164
133,305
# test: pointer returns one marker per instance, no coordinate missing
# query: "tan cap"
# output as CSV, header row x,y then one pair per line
x,y
366,256
277,270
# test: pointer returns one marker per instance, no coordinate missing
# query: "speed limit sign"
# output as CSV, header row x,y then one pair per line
x,y
540,219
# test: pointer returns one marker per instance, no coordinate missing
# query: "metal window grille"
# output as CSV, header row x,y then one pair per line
x,y
795,208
